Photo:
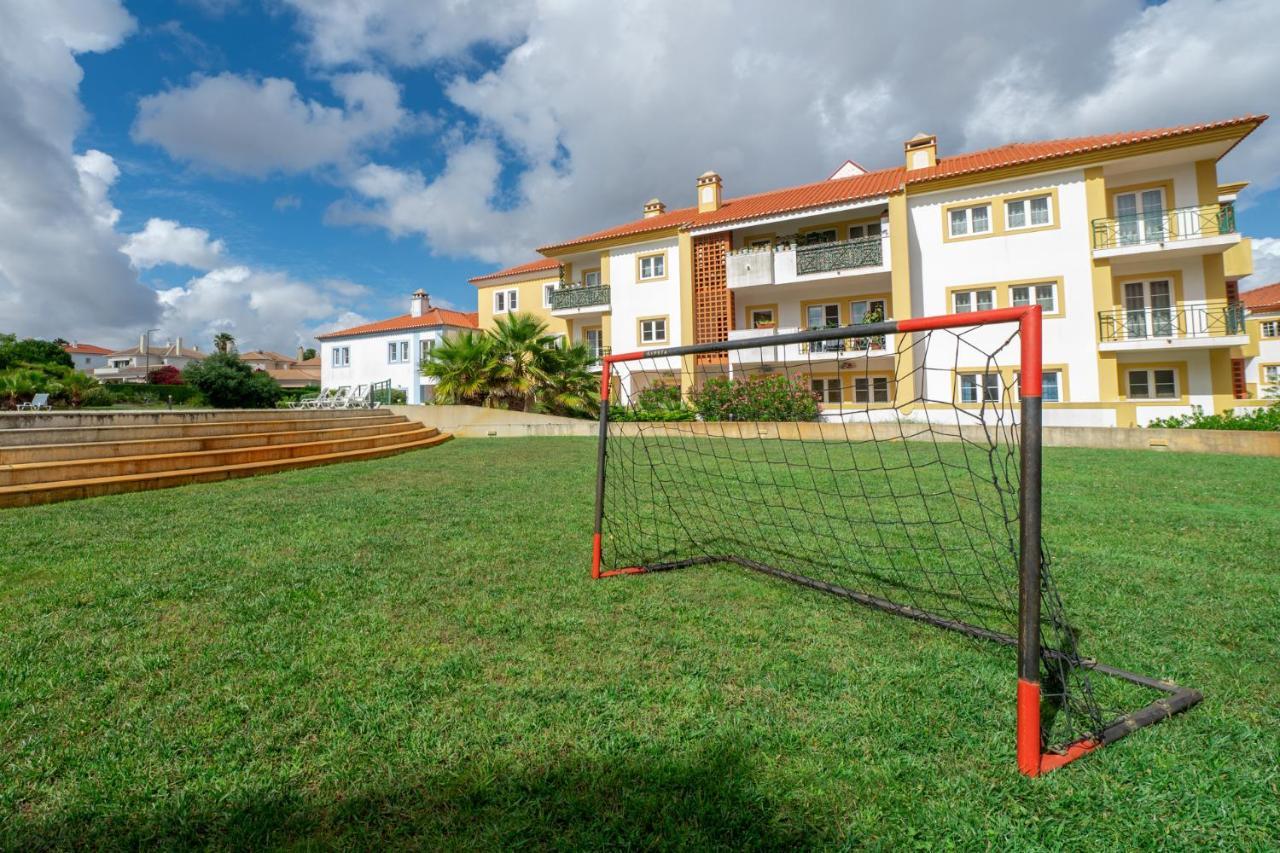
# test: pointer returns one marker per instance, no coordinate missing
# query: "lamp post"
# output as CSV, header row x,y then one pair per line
x,y
146,346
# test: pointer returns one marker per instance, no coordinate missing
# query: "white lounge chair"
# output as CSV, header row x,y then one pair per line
x,y
359,398
338,399
311,402
39,403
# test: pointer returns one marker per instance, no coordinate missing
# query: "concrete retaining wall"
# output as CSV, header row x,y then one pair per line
x,y
149,417
477,422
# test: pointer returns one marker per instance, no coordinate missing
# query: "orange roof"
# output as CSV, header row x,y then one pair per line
x,y
431,317
87,349
532,266
886,181
1265,298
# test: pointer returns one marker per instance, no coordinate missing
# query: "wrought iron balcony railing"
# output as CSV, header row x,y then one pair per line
x,y
1164,226
579,297
598,354
840,255
1213,319
854,345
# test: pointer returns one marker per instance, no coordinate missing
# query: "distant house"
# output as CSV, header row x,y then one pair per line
x,y
391,349
133,364
289,372
87,357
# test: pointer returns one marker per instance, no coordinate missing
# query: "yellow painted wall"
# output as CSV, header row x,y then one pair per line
x,y
1237,262
530,302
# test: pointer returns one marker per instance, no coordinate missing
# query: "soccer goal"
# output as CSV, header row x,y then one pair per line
x,y
893,464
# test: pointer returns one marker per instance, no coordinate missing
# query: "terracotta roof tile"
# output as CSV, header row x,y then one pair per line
x,y
432,317
532,266
1265,298
87,349
885,181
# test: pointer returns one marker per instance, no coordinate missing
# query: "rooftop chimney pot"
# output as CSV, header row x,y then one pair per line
x,y
709,187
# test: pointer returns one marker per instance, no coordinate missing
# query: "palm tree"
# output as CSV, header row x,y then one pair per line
x,y
18,384
224,342
570,387
520,342
463,365
74,384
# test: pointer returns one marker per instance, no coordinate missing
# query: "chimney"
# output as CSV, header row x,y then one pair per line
x,y
142,343
177,346
653,207
300,351
921,151
419,303
708,192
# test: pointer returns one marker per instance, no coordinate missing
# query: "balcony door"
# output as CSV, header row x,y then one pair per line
x,y
595,342
1148,309
1140,217
823,317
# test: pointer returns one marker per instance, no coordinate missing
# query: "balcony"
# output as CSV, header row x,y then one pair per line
x,y
805,353
788,263
576,300
1197,326
1200,230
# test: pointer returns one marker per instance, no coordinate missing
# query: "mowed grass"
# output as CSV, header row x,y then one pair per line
x,y
409,653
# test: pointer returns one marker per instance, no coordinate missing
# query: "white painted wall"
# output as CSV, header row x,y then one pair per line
x,y
631,299
369,361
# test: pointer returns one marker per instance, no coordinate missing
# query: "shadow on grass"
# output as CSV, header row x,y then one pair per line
x,y
708,801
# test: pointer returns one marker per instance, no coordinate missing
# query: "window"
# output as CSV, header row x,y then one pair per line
x,y
1271,329
1271,374
762,318
1140,217
970,220
1045,295
548,293
1148,309
425,346
874,389
591,278
505,300
965,301
760,243
813,237
653,266
857,232
341,356
1158,384
859,311
653,331
822,316
397,352
1050,385
979,387
826,390
1027,212
594,339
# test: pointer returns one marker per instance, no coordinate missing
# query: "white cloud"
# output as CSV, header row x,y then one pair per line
x,y
256,127
592,118
1266,263
61,270
287,202
164,241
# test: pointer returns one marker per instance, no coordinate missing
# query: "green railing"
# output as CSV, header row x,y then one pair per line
x,y
379,394
1164,226
840,255
579,297
1209,320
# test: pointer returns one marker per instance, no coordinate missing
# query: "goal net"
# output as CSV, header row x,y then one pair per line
x,y
894,464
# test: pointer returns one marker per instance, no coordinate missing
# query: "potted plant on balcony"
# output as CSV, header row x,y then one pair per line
x,y
873,315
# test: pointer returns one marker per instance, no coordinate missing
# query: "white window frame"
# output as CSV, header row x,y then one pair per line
x,y
657,264
985,391
855,316
398,352
1051,308
858,232
1270,329
425,346
1024,204
968,220
1151,383
588,281
506,301
1143,225
547,291
866,389
341,357
1044,385
824,387
1271,374
971,300
814,238
649,335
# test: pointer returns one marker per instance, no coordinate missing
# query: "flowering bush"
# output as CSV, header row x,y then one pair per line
x,y
167,375
763,398
1264,420
660,402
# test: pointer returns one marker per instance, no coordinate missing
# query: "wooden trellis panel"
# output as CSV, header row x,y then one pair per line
x,y
712,301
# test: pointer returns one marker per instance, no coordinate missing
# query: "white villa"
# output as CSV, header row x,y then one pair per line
x,y
390,349
133,364
87,357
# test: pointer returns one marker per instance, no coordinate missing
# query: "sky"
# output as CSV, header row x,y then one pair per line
x,y
280,168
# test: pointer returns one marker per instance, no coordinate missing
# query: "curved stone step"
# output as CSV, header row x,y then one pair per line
x,y
148,446
87,469
27,495
10,438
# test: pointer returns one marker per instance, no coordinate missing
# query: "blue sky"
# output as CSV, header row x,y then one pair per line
x,y
280,168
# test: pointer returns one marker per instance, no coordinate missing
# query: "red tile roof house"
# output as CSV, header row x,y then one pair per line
x,y
87,357
1259,370
133,364
289,372
391,349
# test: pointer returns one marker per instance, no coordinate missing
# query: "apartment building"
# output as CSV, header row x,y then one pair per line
x,y
1257,372
1128,241
390,350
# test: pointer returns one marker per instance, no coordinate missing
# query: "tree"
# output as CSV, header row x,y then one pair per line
x,y
463,365
166,375
76,386
569,387
308,353
224,342
227,382
520,343
19,384
31,351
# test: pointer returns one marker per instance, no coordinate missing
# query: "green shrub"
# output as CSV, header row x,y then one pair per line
x,y
146,393
1266,420
660,402
33,352
98,397
762,398
226,382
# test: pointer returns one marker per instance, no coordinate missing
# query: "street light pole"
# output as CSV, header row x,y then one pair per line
x,y
146,377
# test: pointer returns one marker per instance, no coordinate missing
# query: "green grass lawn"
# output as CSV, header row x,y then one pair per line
x,y
409,653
